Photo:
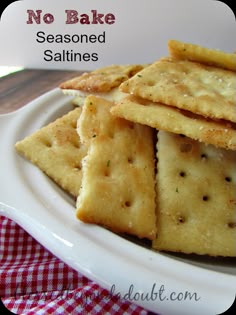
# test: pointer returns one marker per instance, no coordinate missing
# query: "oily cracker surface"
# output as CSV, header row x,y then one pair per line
x,y
196,189
201,89
56,149
118,184
218,133
214,57
102,79
96,120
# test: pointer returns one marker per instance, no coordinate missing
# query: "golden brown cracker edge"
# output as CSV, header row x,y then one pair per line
x,y
57,151
156,115
213,57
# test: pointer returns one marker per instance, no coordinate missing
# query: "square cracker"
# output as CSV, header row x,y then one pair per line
x,y
196,188
218,133
213,57
198,88
102,79
56,149
118,184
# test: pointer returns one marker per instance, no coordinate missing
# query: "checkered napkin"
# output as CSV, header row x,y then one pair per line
x,y
33,281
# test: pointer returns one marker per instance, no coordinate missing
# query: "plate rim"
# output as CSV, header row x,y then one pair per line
x,y
10,210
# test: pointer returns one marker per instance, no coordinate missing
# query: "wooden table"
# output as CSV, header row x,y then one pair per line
x,y
19,88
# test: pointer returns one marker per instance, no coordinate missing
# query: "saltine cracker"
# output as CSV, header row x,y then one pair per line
x,y
196,203
102,79
201,89
56,150
118,184
213,57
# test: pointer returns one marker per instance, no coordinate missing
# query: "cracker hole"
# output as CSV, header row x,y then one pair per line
x,y
76,144
182,174
74,124
107,173
130,160
203,156
232,225
77,166
127,204
181,219
47,143
205,198
151,83
228,179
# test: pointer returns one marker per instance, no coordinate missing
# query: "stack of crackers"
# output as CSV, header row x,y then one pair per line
x,y
150,150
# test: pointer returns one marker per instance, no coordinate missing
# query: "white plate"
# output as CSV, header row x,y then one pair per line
x,y
28,197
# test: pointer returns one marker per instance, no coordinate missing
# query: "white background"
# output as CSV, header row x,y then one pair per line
x,y
139,35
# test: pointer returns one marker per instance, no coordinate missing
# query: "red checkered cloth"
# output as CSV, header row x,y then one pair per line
x,y
34,282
